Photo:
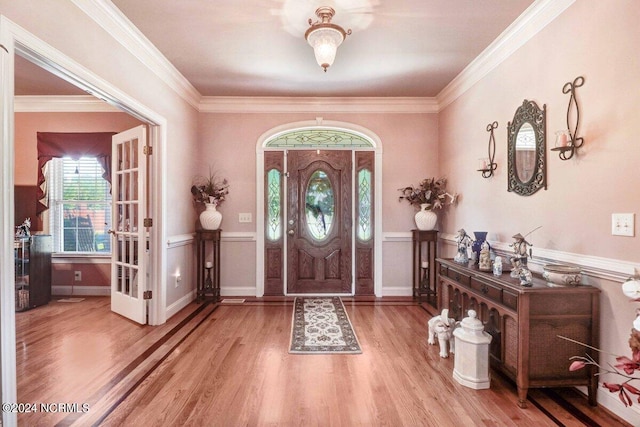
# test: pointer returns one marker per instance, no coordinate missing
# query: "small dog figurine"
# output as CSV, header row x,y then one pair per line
x,y
442,327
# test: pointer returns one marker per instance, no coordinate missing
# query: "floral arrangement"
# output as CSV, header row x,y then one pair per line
x,y
210,189
625,368
430,191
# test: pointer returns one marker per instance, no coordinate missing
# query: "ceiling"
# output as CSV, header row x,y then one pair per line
x,y
399,48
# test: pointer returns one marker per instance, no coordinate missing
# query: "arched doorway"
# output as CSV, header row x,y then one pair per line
x,y
318,231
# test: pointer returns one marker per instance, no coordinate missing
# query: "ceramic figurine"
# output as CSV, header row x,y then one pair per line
x,y
521,250
464,241
497,266
442,327
484,263
23,230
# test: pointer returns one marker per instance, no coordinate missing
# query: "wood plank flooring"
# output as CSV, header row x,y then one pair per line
x,y
229,365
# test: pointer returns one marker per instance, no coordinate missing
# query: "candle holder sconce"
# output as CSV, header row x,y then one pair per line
x,y
488,166
566,141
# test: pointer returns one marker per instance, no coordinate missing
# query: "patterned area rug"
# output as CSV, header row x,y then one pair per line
x,y
320,325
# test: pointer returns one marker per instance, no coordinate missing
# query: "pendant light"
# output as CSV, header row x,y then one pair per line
x,y
325,37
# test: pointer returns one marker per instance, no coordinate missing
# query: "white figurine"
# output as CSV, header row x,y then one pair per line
x,y
442,327
521,250
497,266
23,230
464,241
484,264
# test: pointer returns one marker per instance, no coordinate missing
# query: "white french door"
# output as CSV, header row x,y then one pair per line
x,y
129,247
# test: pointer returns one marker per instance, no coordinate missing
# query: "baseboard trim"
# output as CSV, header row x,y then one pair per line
x,y
180,304
238,292
89,291
397,291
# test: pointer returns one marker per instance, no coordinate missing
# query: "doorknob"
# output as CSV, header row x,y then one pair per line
x,y
110,231
291,232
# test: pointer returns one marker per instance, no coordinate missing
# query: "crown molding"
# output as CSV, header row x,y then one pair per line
x,y
531,22
275,104
114,22
61,104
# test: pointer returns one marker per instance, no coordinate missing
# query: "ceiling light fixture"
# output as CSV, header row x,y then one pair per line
x,y
325,37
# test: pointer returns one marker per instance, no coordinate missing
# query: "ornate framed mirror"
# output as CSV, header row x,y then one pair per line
x,y
526,141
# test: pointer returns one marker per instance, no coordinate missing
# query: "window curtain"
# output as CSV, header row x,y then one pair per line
x,y
74,145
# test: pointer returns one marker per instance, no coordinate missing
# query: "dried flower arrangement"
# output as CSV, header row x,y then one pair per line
x,y
430,191
210,189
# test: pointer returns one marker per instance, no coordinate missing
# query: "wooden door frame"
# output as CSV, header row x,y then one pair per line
x,y
319,123
14,38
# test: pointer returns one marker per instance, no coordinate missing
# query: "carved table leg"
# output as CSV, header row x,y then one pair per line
x,y
522,397
593,391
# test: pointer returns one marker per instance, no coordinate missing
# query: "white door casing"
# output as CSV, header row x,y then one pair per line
x,y
15,39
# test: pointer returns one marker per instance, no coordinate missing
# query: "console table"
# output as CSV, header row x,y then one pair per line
x,y
424,266
208,272
525,323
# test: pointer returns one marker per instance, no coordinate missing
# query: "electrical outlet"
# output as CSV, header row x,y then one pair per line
x,y
77,275
244,217
178,279
623,224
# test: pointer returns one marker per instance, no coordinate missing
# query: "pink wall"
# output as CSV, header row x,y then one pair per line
x,y
63,274
597,40
591,39
26,126
409,143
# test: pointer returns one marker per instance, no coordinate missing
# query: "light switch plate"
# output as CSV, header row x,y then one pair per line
x,y
244,217
623,224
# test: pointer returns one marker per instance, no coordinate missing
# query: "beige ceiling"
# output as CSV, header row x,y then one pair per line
x,y
257,48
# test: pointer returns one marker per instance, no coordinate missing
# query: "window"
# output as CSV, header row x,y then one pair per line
x,y
274,203
80,206
364,205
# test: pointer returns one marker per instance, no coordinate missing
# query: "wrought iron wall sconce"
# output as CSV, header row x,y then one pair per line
x,y
487,166
566,141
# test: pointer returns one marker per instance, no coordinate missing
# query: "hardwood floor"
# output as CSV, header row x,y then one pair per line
x,y
229,365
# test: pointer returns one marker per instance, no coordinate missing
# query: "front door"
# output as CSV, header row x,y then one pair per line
x,y
319,222
129,251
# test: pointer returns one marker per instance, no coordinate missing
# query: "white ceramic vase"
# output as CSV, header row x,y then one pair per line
x,y
210,218
426,218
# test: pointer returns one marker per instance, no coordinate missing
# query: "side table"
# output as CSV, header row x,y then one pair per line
x,y
424,267
208,270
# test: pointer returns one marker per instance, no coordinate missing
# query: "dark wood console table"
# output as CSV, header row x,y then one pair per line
x,y
424,267
525,323
208,272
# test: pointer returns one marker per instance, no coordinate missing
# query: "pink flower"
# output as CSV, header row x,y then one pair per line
x,y
576,365
631,389
626,364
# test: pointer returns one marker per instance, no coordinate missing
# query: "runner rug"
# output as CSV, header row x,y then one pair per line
x,y
320,325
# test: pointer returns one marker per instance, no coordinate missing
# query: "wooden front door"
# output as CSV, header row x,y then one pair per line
x,y
319,222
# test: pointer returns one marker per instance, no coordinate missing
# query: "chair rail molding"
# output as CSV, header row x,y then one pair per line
x,y
593,266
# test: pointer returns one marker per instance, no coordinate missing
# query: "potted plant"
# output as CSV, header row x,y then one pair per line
x,y
429,195
210,191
